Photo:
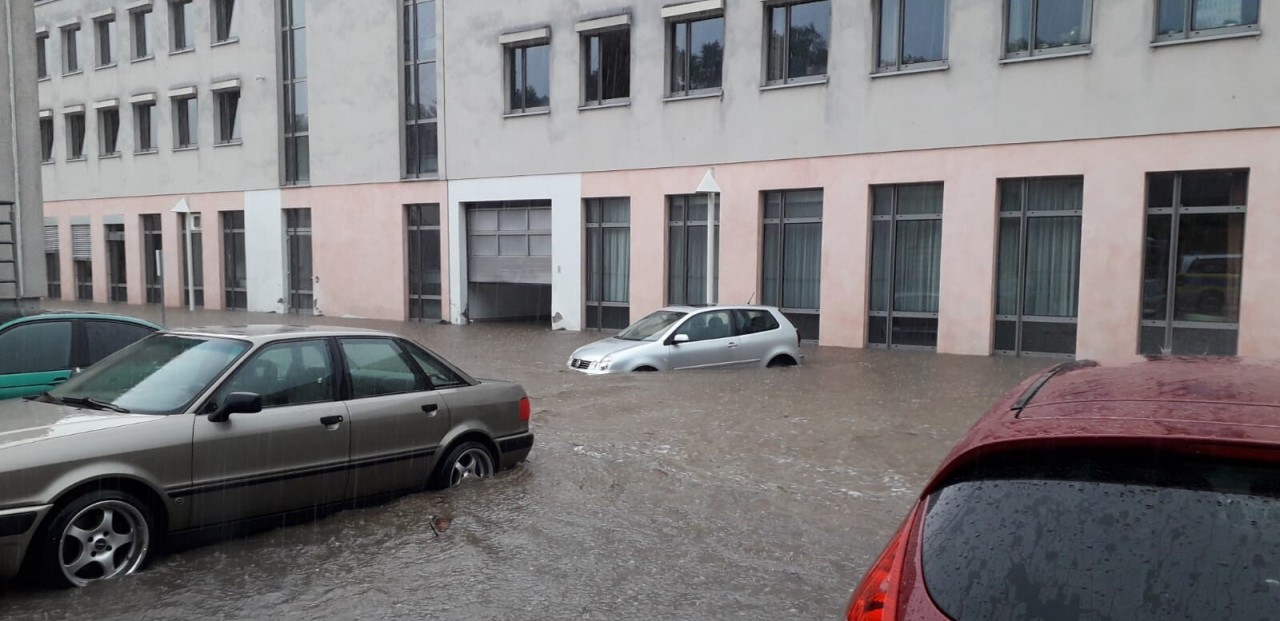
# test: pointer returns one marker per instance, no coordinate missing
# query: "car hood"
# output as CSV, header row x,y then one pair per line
x,y
24,422
607,347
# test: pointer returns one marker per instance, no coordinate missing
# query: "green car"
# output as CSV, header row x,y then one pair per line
x,y
38,352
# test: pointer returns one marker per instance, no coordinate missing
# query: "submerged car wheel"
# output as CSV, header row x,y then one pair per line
x,y
98,536
467,461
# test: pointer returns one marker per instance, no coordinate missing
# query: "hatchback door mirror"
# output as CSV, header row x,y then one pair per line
x,y
236,403
680,338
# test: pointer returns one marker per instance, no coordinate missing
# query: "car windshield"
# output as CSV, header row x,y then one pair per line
x,y
651,327
160,374
1083,535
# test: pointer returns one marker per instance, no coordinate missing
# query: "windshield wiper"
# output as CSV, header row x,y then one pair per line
x,y
96,404
45,397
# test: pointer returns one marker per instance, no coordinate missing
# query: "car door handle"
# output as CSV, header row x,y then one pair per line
x,y
328,421
732,345
431,409
59,380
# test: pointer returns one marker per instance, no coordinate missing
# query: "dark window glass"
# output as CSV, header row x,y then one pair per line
x,y
234,272
911,32
707,326
1177,19
607,70
906,264
105,30
608,254
289,373
799,37
424,262
224,20
697,55
181,24
420,134
109,130
185,122
46,140
379,367
687,249
754,321
228,115
152,244
529,77
36,347
439,373
104,338
1104,536
791,274
71,49
42,56
141,19
75,136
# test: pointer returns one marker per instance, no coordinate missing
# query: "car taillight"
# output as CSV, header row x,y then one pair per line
x,y
876,598
526,410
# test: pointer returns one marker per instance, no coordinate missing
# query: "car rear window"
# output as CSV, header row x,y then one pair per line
x,y
1102,536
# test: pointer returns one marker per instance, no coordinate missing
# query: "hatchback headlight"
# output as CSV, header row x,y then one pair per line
x,y
605,362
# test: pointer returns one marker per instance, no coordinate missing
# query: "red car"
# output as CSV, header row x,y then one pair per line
x,y
1149,490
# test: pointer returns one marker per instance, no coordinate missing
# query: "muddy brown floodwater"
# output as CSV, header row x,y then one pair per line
x,y
745,494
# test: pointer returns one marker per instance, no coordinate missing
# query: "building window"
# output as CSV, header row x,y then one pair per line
x,y
226,22
606,67
145,126
1189,19
108,131
906,265
792,270
228,106
528,78
75,135
799,37
695,55
608,235
186,119
42,55
71,49
911,34
421,149
140,20
105,31
297,241
181,27
46,139
82,257
235,275
690,254
424,262
192,277
1040,27
52,263
117,279
152,258
1194,255
297,125
1038,266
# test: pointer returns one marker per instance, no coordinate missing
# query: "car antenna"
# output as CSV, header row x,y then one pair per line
x,y
751,299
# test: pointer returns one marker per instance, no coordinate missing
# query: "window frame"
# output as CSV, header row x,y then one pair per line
x,y
410,347
71,61
187,106
422,381
683,326
232,224
1188,33
412,62
105,46
1024,215
220,135
901,67
422,218
509,53
893,218
178,42
216,27
140,36
784,219
786,45
48,140
71,342
594,226
152,127
684,202
584,46
670,41
337,375
75,150
1032,52
105,139
42,55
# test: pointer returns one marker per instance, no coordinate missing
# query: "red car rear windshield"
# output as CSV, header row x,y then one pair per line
x,y
1102,535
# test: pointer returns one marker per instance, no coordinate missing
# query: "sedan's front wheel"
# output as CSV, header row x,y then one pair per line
x,y
466,462
98,536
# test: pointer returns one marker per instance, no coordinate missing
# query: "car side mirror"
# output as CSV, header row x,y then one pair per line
x,y
236,403
680,338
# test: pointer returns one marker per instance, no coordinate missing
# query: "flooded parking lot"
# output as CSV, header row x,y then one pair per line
x,y
757,494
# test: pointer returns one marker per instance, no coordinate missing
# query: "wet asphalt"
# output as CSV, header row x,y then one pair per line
x,y
740,494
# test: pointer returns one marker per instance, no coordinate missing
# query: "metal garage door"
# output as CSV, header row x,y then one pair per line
x,y
509,242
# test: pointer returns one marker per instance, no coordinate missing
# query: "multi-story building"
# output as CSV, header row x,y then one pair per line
x,y
22,277
1017,176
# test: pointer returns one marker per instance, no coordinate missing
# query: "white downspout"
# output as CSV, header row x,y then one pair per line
x,y
16,227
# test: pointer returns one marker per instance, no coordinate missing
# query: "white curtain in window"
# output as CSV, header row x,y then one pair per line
x,y
802,265
917,266
617,265
1053,267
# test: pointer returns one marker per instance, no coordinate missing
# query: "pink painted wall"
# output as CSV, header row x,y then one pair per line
x,y
1114,174
359,245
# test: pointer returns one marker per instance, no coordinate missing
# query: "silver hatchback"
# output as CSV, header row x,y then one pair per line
x,y
686,337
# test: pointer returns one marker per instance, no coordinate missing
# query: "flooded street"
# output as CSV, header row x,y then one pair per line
x,y
754,494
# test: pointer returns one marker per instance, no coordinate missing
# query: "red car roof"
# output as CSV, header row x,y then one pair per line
x,y
1186,401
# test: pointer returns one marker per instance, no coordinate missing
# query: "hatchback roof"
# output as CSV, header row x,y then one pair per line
x,y
11,317
271,332
1149,401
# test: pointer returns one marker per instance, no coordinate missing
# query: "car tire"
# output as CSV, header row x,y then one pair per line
x,y
469,460
100,535
781,360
